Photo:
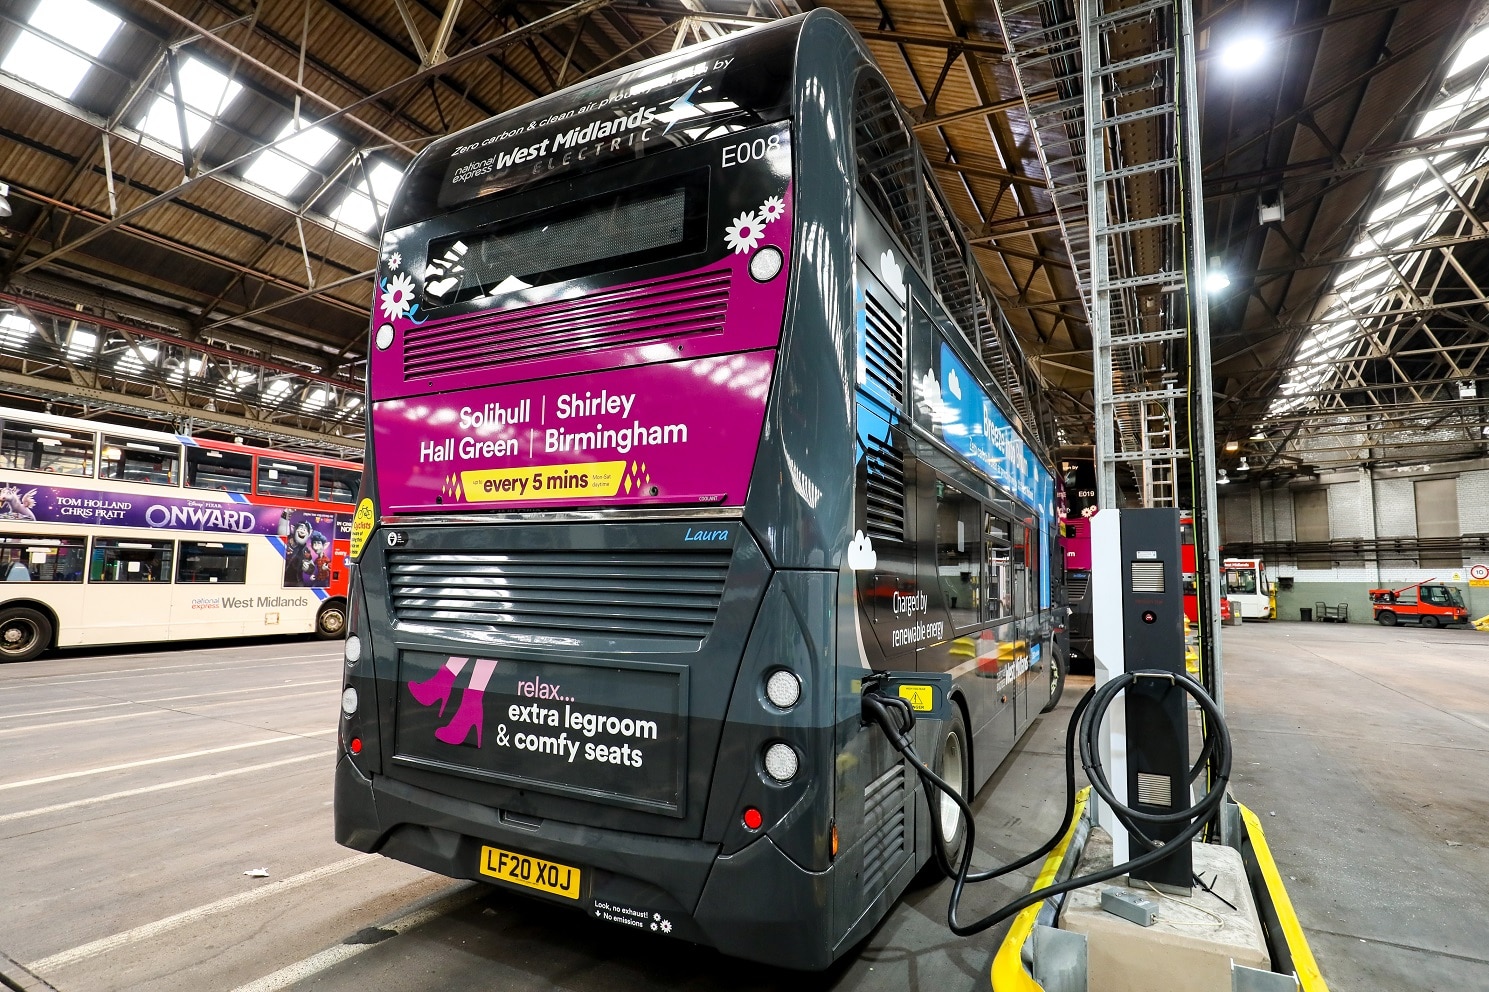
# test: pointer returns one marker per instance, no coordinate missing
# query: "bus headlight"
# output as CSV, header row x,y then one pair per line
x,y
384,336
783,688
353,649
349,700
766,264
781,762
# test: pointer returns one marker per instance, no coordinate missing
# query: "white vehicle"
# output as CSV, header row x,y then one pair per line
x,y
116,535
1244,582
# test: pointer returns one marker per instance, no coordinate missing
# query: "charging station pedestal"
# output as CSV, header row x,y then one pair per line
x,y
1138,625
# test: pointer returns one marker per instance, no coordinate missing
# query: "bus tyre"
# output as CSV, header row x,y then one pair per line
x,y
954,765
331,620
1429,621
24,634
1386,618
1057,682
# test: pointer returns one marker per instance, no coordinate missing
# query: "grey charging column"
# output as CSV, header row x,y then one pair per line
x,y
1138,623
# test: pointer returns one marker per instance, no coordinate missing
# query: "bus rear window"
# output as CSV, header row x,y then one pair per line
x,y
616,230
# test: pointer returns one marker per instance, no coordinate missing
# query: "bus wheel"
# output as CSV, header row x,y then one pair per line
x,y
1386,618
1429,621
24,634
954,764
1057,682
331,620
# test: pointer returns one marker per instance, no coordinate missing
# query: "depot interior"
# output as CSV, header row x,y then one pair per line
x,y
220,285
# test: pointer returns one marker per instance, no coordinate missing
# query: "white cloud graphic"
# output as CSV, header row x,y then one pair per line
x,y
954,384
861,556
892,273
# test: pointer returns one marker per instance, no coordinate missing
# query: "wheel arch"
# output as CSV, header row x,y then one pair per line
x,y
26,603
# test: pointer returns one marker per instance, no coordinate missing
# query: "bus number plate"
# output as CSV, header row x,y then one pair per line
x,y
530,872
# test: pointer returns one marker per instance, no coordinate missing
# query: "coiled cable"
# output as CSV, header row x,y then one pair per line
x,y
895,717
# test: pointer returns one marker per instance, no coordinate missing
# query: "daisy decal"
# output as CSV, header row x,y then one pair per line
x,y
744,233
398,296
394,260
772,209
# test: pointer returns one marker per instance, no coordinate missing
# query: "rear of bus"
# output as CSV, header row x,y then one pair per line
x,y
566,642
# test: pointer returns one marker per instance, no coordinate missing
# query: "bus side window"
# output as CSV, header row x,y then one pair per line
x,y
959,556
998,600
118,560
888,174
42,558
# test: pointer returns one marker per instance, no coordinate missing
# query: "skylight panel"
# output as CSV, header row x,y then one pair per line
x,y
1472,53
44,63
81,344
285,166
134,359
355,210
206,93
15,330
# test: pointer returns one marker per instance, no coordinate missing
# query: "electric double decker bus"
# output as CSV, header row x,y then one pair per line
x,y
117,535
680,434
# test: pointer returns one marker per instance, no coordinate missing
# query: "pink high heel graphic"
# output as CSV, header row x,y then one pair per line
x,y
438,686
469,714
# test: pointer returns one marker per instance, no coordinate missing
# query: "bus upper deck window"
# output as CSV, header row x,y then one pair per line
x,y
295,480
339,485
139,461
226,471
34,448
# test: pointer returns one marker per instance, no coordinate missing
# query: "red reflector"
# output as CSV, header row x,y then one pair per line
x,y
356,745
752,818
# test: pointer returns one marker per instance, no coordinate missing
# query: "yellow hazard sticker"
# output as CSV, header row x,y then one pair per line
x,y
922,698
362,523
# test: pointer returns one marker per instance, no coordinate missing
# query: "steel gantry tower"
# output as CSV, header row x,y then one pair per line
x,y
1120,147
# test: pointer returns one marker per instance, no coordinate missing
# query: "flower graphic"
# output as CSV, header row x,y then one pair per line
x,y
398,296
744,233
772,209
666,926
394,260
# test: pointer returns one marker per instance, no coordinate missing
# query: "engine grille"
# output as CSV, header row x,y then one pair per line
x,y
668,594
641,313
884,826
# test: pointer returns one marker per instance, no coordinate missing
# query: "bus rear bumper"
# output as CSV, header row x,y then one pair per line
x,y
735,903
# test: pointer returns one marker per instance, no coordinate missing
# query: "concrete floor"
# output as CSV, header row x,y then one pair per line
x,y
137,787
1371,746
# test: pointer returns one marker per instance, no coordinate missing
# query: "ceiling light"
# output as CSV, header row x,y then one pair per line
x,y
1215,277
1232,446
4,200
1468,390
1243,467
1220,478
1243,53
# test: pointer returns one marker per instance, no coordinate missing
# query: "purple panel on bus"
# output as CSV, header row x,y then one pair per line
x,y
667,433
717,308
20,501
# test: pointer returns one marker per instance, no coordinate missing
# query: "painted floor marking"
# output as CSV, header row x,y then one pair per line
x,y
8,731
179,783
332,956
114,676
151,930
104,769
170,699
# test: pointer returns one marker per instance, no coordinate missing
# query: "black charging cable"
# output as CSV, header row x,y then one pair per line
x,y
895,717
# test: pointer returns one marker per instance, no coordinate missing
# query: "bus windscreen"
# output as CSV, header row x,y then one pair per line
x,y
603,233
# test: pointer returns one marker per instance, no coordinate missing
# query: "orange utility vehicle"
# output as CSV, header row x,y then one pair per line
x,y
1429,603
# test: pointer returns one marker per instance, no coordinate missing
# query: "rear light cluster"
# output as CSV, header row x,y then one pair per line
x,y
782,691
